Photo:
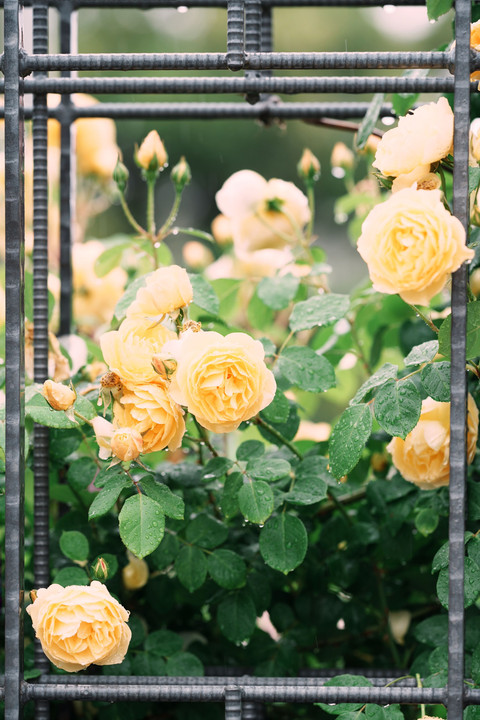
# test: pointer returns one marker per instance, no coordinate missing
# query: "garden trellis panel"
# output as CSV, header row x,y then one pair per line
x,y
252,62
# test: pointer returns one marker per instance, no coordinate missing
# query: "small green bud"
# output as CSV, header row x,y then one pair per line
x,y
181,174
100,570
120,175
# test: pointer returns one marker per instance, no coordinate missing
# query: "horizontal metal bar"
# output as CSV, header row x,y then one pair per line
x,y
183,692
232,85
225,680
253,61
149,4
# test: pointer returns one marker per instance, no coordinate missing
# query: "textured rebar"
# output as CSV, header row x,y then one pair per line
x,y
14,364
253,711
253,37
148,4
235,34
232,678
233,703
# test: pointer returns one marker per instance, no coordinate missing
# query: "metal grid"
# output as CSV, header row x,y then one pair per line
x,y
248,49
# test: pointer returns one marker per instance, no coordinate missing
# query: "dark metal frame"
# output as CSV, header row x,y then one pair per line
x,y
249,49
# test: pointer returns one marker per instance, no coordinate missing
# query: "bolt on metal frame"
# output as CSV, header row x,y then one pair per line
x,y
248,49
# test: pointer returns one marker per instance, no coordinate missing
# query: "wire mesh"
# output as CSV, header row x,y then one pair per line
x,y
248,49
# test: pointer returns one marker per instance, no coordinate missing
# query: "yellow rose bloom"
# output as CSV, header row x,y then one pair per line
x,y
423,457
80,625
126,444
221,380
58,396
411,244
153,413
167,290
420,138
128,351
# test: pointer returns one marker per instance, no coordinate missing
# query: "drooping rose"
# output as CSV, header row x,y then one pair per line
x,y
153,413
58,396
79,625
221,380
263,214
423,457
167,290
411,244
421,138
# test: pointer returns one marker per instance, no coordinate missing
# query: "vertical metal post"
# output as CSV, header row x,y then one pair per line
x,y
267,24
15,363
41,546
458,463
233,703
67,174
253,28
235,34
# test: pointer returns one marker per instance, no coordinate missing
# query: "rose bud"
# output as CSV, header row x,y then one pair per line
x,y
151,155
58,396
126,444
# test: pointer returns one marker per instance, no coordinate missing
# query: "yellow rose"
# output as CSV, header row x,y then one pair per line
x,y
411,244
58,396
80,625
126,444
222,230
167,290
153,413
221,380
151,155
128,351
263,214
423,457
475,44
421,138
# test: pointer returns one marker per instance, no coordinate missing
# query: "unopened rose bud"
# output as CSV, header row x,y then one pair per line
x,y
196,255
372,144
120,176
222,230
181,174
342,157
135,574
475,282
151,155
164,366
58,396
399,622
100,570
126,444
309,167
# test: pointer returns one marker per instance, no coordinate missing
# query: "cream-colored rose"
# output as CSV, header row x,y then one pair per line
x,y
135,573
151,410
475,44
342,156
103,430
126,444
421,138
411,244
222,230
196,255
58,396
221,380
167,290
263,214
151,155
423,457
421,177
79,625
128,351
94,298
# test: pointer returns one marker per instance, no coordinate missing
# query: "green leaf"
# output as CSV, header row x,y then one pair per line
x,y
425,352
203,294
473,332
369,121
472,583
312,479
283,542
251,448
278,410
386,372
71,576
217,467
319,310
397,407
348,439
432,631
426,521
141,524
229,499
259,315
170,504
207,532
163,642
166,552
344,681
441,558
227,569
435,8
305,369
129,296
268,468
436,380
191,567
255,500
108,472
149,665
237,616
473,178
184,664
402,102
226,289
278,292
476,665
74,545
38,409
108,496
110,258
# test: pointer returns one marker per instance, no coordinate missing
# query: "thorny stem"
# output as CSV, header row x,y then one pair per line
x,y
419,685
127,472
342,125
424,317
359,347
343,500
151,219
311,205
165,229
138,228
260,421
204,438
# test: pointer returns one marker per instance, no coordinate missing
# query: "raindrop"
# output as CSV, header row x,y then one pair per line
x,y
388,120
182,9
175,231
338,172
157,245
389,9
